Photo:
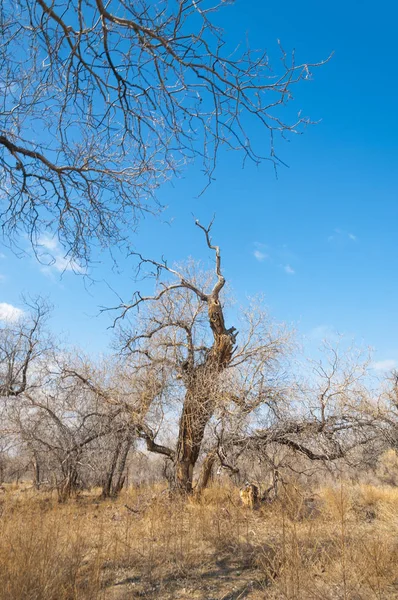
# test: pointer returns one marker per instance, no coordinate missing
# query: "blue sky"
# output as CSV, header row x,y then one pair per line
x,y
321,240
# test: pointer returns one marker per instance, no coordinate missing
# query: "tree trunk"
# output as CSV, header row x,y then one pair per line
x,y
115,477
200,397
195,416
119,474
36,472
206,472
69,485
107,486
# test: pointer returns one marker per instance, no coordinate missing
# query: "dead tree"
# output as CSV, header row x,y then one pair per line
x,y
173,337
60,422
198,376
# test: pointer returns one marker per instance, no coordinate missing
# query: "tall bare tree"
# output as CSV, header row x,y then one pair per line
x,y
102,102
181,330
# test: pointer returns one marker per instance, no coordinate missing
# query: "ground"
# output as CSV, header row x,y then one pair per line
x,y
340,541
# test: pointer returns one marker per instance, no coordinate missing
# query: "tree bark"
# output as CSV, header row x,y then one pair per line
x,y
200,396
120,476
36,472
195,416
69,485
206,472
115,477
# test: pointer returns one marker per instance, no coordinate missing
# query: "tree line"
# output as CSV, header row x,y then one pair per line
x,y
187,386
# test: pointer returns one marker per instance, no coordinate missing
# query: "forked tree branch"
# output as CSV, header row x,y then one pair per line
x,y
109,101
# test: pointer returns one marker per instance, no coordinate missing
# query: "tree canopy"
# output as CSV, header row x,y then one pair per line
x,y
103,103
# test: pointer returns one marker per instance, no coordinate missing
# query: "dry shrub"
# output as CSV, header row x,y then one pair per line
x,y
387,468
43,556
224,494
337,554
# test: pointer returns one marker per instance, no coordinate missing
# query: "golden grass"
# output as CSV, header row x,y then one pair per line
x,y
340,543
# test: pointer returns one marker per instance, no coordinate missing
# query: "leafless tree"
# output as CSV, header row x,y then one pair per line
x,y
323,417
184,375
181,334
384,408
22,344
56,422
128,395
115,475
60,423
233,394
102,102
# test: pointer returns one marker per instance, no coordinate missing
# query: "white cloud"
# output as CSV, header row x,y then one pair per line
x,y
50,243
63,264
10,313
384,365
277,256
260,256
339,235
55,259
288,269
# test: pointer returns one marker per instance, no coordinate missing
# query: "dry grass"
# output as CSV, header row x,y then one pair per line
x,y
340,543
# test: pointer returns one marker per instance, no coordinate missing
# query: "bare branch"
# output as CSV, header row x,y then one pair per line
x,y
102,106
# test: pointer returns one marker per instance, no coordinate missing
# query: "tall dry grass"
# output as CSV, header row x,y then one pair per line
x,y
340,543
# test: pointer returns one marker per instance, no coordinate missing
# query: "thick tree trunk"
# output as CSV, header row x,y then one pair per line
x,y
200,397
69,485
195,416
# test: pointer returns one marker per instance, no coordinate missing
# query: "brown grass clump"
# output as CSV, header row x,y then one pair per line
x,y
147,545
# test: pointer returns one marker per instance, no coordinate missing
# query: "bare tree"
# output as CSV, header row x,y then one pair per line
x,y
384,408
102,102
22,344
60,423
323,417
181,332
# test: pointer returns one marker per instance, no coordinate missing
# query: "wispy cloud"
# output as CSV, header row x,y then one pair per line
x,y
339,235
384,365
260,256
277,256
54,258
49,243
288,269
10,313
